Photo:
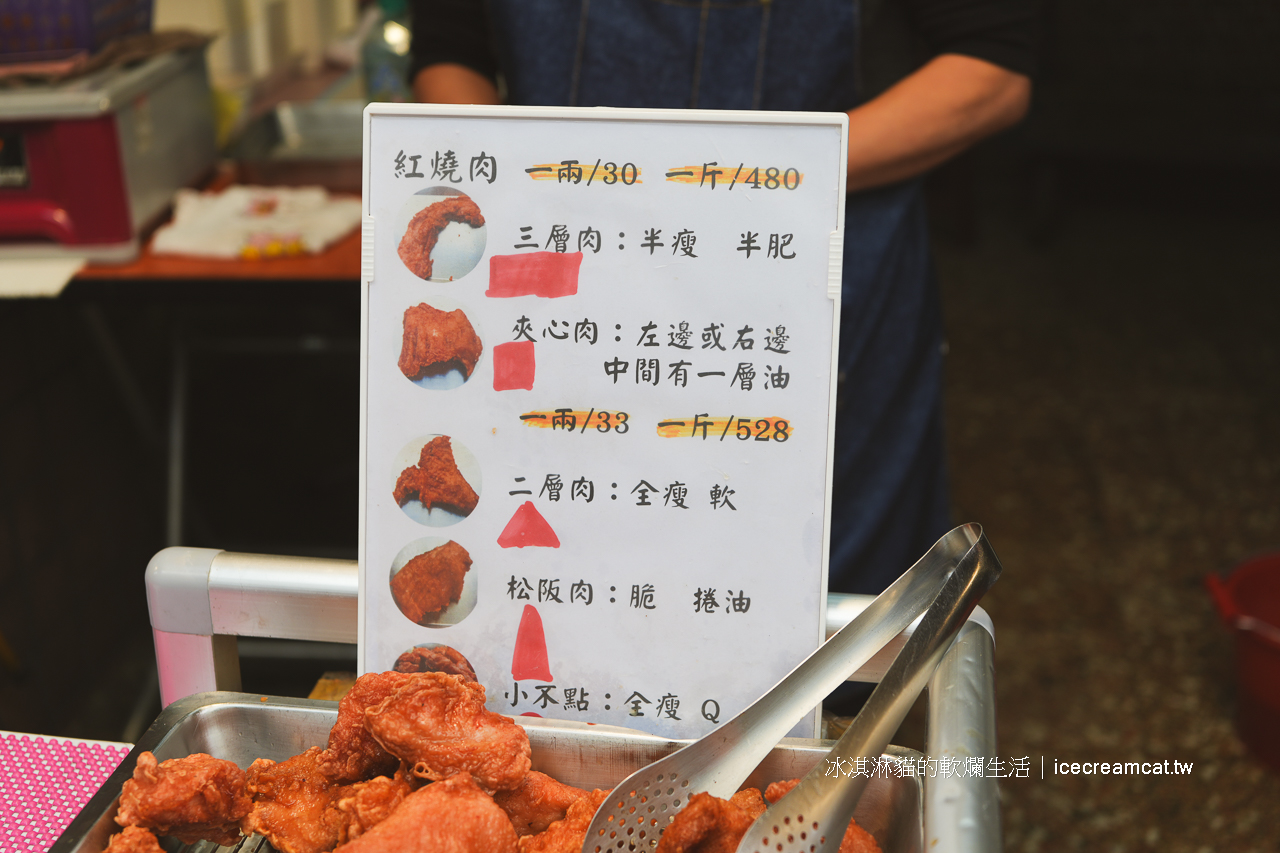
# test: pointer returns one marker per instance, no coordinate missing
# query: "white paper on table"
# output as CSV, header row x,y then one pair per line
x,y
248,221
37,277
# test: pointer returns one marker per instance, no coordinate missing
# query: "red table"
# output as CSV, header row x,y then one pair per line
x,y
340,262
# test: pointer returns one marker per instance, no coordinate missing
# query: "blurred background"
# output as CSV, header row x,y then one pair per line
x,y
1111,283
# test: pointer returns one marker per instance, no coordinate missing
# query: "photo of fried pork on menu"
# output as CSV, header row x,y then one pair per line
x,y
435,658
424,231
436,342
431,581
436,481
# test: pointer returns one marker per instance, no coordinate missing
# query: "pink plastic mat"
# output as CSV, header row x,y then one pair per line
x,y
45,782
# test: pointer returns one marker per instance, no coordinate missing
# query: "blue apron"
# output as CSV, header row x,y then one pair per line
x,y
890,492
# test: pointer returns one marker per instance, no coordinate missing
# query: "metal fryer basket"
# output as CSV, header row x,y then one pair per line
x,y
241,727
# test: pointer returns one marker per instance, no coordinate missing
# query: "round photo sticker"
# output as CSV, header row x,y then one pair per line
x,y
439,481
435,657
432,584
443,234
440,346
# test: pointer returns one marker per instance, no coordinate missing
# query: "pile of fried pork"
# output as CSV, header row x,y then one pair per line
x,y
414,763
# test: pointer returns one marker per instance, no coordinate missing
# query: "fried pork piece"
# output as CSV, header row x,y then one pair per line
x,y
537,802
436,480
566,836
714,825
134,839
352,753
295,804
405,774
777,790
856,839
453,816
436,340
706,824
751,801
436,659
424,230
367,804
430,582
194,798
438,723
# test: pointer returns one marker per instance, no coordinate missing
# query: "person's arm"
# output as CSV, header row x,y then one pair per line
x,y
930,116
451,83
451,60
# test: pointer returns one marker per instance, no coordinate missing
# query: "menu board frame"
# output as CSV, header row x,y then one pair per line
x,y
373,231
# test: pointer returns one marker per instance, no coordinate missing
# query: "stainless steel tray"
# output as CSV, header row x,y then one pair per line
x,y
241,727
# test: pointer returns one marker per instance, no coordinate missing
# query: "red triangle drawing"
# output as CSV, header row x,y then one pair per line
x,y
527,527
529,660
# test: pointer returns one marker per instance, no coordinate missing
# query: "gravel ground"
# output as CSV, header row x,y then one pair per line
x,y
1114,423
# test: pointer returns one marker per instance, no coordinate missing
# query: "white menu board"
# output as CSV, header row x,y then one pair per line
x,y
598,401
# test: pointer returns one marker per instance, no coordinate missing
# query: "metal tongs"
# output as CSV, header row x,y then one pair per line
x,y
945,585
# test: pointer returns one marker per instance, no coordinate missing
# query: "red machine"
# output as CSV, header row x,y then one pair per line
x,y
88,165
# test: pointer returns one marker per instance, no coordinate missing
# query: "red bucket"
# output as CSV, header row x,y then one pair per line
x,y
1248,601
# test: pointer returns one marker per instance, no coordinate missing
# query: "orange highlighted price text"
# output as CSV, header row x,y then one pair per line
x,y
713,175
586,172
578,420
742,428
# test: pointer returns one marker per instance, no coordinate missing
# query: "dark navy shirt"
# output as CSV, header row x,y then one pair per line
x,y
890,497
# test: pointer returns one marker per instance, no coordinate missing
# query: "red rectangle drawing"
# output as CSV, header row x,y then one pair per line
x,y
548,274
513,366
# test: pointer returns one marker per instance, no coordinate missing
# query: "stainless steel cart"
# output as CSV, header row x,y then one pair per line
x,y
202,599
